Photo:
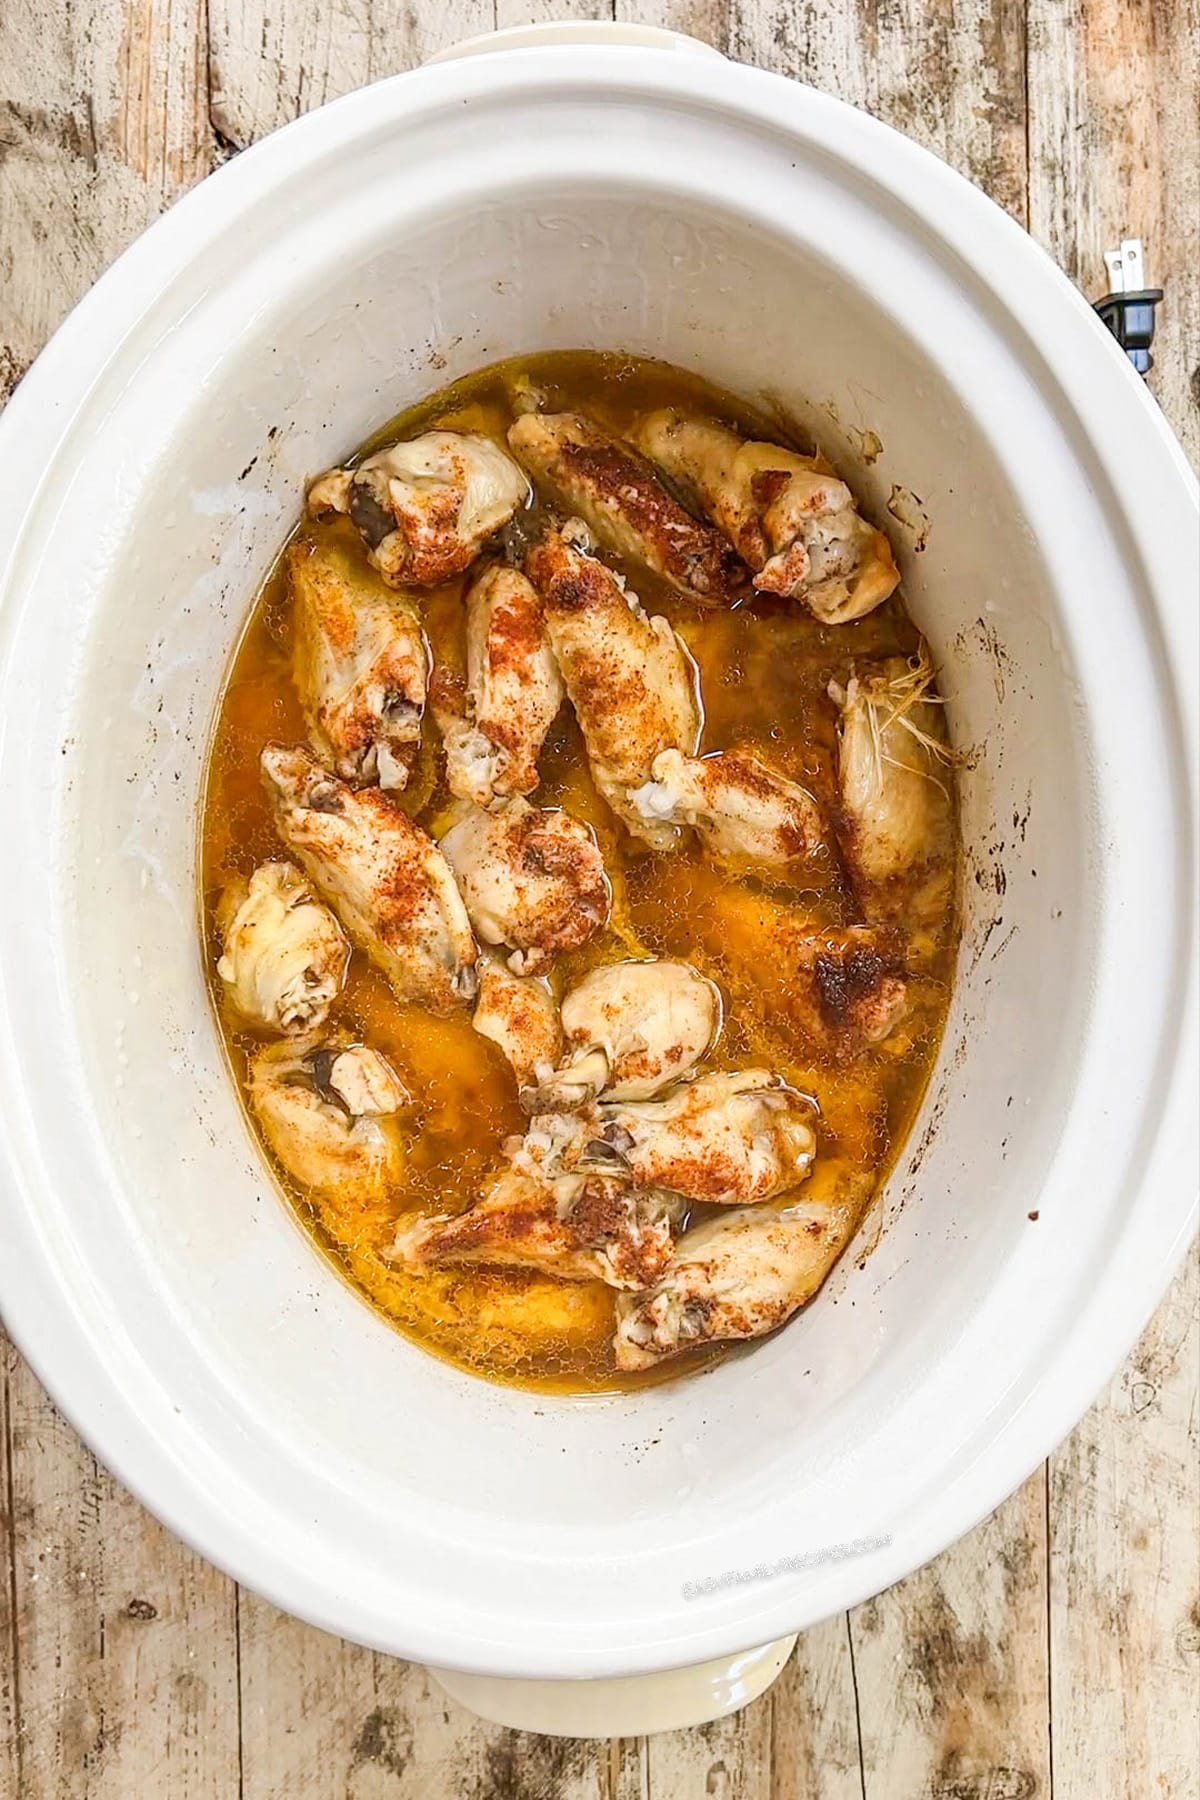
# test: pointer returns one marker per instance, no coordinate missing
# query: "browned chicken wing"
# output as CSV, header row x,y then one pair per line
x,y
385,878
736,1276
788,517
360,664
726,1139
425,508
577,1227
328,1111
494,724
629,677
619,495
532,878
630,1028
519,1015
744,811
285,955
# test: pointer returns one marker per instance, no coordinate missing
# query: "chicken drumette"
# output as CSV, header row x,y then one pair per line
x,y
284,954
328,1111
736,1276
518,1014
576,1227
360,663
386,879
532,878
892,769
425,508
629,1029
630,679
744,812
618,493
728,1139
493,725
789,518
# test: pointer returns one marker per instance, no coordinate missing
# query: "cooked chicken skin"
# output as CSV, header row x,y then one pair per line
x,y
744,812
328,1112
425,508
891,759
493,727
726,1139
285,956
577,1227
736,1276
532,878
518,1014
385,878
360,664
792,521
618,493
630,1028
629,677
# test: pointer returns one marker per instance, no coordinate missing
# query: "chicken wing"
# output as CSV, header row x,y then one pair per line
x,y
284,955
576,1227
518,1014
892,769
494,725
328,1111
736,1276
791,520
726,1139
630,1028
360,664
532,878
425,508
618,493
744,812
630,679
386,879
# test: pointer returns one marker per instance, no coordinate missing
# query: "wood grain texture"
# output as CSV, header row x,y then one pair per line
x,y
1054,1651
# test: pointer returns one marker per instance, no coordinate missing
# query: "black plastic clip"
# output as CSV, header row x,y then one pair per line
x,y
1128,310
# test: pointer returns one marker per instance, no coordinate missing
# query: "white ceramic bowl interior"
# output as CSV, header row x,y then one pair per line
x,y
795,252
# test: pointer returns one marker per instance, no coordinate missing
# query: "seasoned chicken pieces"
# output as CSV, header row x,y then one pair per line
x,y
629,677
630,1028
618,493
518,1014
577,1227
532,878
328,1111
359,662
726,1139
792,521
736,1276
386,879
285,956
425,508
891,761
744,812
494,726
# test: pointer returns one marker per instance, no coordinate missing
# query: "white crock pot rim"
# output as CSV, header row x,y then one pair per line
x,y
1111,408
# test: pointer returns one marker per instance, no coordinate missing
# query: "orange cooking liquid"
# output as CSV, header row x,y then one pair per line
x,y
764,669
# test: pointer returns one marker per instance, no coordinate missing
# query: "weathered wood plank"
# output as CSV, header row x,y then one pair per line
x,y
127,1649
549,12
10,1648
1113,153
952,1667
1125,1573
269,63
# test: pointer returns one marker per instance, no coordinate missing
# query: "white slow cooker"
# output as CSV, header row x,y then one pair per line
x,y
151,465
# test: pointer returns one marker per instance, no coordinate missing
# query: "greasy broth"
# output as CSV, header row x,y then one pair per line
x,y
764,669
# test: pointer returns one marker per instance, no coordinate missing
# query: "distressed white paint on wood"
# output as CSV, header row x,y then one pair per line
x,y
1125,1574
108,110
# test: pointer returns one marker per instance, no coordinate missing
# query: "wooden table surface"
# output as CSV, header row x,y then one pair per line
x,y
1054,1651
